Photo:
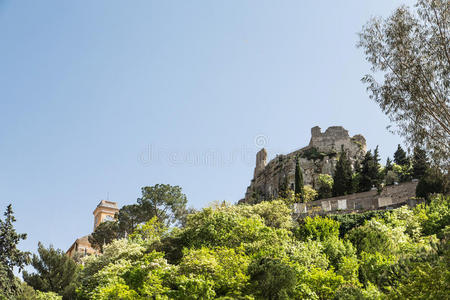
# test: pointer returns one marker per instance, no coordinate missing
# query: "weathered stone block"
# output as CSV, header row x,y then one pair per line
x,y
342,204
326,206
384,201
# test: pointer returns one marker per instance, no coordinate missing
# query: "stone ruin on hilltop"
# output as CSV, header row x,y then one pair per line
x,y
319,157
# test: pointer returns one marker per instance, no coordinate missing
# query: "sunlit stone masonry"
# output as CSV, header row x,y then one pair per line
x,y
319,157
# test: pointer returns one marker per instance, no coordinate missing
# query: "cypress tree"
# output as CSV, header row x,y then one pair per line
x,y
283,187
376,156
298,179
419,162
388,166
377,176
400,157
342,176
367,172
356,176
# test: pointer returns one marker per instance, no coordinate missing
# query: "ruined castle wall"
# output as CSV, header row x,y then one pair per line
x,y
390,196
336,137
269,177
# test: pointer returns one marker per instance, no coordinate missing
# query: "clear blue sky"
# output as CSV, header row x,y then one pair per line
x,y
102,97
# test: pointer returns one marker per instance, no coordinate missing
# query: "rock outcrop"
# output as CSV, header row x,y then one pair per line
x,y
319,157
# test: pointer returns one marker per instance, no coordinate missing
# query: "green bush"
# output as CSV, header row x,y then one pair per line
x,y
325,186
225,268
433,182
434,217
317,228
375,236
272,279
349,221
254,252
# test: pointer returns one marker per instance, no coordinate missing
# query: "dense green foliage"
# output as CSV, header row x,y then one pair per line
x,y
409,54
313,153
129,217
257,252
10,256
325,186
370,172
55,272
104,234
349,221
420,162
165,202
433,181
400,157
343,176
309,194
317,229
26,292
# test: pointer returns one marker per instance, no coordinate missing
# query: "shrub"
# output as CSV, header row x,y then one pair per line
x,y
272,279
390,178
225,268
430,183
324,283
325,186
375,236
434,217
309,194
350,221
317,228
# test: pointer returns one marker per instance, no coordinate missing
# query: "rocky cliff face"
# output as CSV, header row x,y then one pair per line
x,y
319,157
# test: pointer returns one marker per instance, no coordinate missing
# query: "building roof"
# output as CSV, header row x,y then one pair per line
x,y
106,203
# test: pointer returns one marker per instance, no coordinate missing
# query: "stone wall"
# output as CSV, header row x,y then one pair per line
x,y
390,197
319,157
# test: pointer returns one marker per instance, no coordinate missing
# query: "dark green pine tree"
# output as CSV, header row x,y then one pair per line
x,y
376,156
104,234
356,176
419,162
342,176
400,157
56,272
388,166
298,179
377,176
10,256
367,172
433,181
283,187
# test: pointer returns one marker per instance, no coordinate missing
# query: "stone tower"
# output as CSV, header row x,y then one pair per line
x,y
105,211
261,160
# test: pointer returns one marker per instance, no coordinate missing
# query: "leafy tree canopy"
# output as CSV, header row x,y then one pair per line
x,y
104,234
163,201
412,50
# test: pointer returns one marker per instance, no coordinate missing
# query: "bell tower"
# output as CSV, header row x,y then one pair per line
x,y
105,211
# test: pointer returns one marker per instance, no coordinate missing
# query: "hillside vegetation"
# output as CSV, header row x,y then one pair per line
x,y
258,252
